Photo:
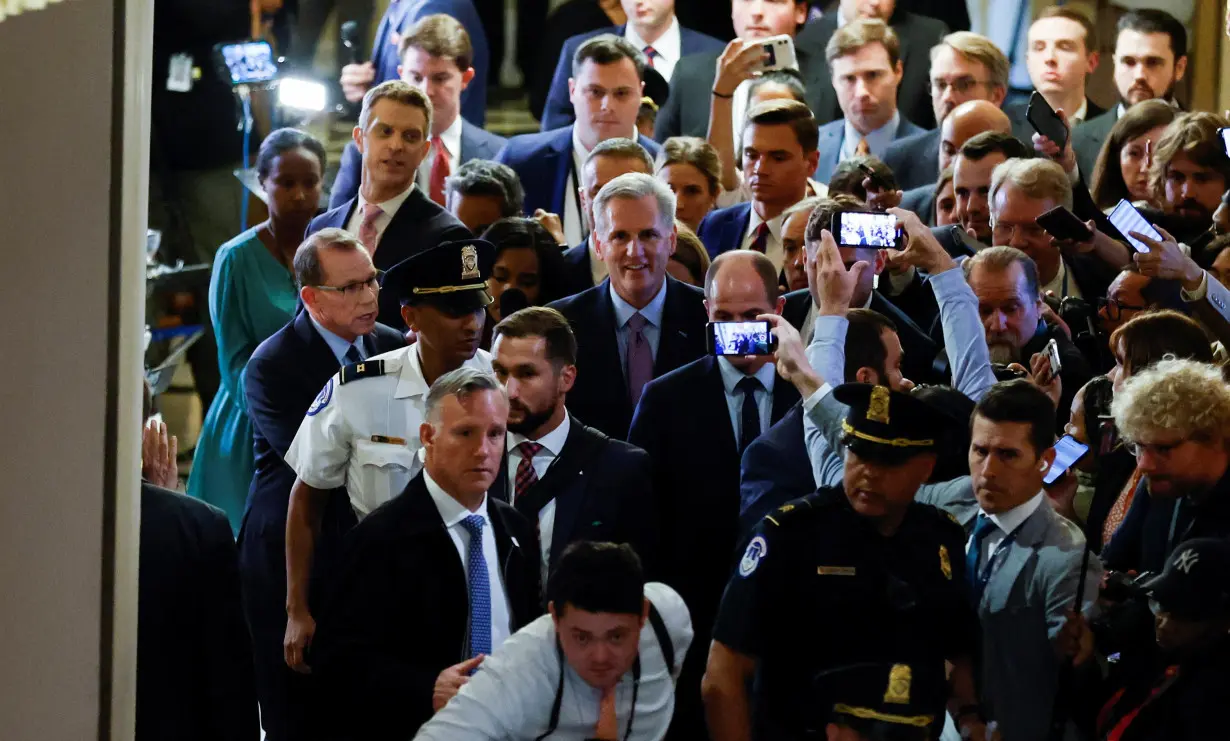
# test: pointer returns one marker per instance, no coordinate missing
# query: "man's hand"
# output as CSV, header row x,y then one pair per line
x,y
791,356
158,454
1075,639
832,286
880,200
1165,259
1041,375
300,630
739,62
922,250
356,79
451,681
552,223
1066,157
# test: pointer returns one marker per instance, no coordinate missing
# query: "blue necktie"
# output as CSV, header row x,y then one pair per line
x,y
480,588
353,355
982,528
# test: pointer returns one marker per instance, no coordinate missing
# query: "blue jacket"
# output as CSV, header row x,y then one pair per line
x,y
558,111
723,229
915,160
832,138
476,144
404,13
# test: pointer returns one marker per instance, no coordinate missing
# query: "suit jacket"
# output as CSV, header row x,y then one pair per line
x,y
915,160
723,229
921,200
402,14
1022,129
917,34
201,688
1087,139
832,137
774,470
577,273
599,398
543,161
602,491
398,613
419,224
686,112
558,111
476,144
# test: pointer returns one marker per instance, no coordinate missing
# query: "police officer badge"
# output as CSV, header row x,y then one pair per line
x,y
469,262
756,550
322,399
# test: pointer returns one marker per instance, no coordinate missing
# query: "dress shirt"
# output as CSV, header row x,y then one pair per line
x,y
552,445
389,208
1081,113
452,142
734,398
653,330
511,694
1005,524
1063,284
773,245
453,513
669,48
877,140
339,345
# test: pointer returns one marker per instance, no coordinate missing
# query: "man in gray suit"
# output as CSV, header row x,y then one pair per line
x,y
1024,563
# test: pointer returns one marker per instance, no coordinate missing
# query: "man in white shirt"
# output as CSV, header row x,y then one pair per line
x,y
602,665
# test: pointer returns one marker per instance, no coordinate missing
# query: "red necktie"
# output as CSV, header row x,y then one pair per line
x,y
761,243
650,53
526,477
439,170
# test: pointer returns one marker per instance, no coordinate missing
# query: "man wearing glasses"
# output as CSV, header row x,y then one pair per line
x,y
362,431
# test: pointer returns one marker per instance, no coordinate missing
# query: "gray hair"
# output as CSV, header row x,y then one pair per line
x,y
308,271
1001,259
1037,178
459,383
621,147
634,186
487,178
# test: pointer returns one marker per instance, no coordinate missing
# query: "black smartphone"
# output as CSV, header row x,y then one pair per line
x,y
868,229
246,62
877,182
1045,121
1061,223
740,338
1067,452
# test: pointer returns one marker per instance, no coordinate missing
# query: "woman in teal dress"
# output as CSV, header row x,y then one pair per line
x,y
252,295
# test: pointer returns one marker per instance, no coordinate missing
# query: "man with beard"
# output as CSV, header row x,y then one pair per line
x,y
1150,59
1190,173
574,481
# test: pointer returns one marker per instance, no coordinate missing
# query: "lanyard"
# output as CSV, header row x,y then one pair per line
x,y
984,574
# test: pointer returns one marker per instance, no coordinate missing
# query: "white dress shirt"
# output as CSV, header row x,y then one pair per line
x,y
773,248
1005,524
731,376
389,208
552,445
511,694
1063,284
453,513
653,330
452,143
669,48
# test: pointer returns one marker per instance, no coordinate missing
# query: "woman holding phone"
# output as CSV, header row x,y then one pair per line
x,y
1122,168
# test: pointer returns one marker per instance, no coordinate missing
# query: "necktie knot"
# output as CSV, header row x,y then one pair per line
x,y
637,322
437,143
749,385
474,525
353,355
983,527
650,53
863,148
371,212
529,449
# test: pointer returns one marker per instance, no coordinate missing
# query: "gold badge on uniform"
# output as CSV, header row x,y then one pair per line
x,y
835,570
469,262
877,408
898,685
945,564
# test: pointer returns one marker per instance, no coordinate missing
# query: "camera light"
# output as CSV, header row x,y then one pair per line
x,y
302,94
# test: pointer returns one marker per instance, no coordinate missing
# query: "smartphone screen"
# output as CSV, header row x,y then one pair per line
x,y
1127,219
1067,452
740,338
864,229
249,62
1225,140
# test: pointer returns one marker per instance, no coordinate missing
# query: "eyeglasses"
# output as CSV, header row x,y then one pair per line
x,y
352,291
1161,450
960,86
1114,309
1002,233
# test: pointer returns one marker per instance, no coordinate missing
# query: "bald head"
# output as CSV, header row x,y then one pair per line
x,y
967,121
744,275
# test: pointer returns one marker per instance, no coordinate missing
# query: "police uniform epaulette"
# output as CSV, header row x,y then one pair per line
x,y
793,511
366,369
936,515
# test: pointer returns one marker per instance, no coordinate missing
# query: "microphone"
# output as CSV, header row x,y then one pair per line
x,y
350,39
512,300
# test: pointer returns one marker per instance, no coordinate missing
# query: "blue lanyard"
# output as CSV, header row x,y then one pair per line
x,y
984,574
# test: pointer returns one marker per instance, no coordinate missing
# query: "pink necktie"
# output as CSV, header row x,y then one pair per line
x,y
640,357
367,230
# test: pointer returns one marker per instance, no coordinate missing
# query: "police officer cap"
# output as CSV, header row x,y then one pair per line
x,y
886,425
1195,585
451,275
882,701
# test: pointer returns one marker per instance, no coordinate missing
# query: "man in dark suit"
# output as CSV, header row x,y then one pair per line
x,y
431,582
1150,59
695,422
652,28
284,375
966,66
916,35
574,481
386,56
436,57
390,216
639,323
606,85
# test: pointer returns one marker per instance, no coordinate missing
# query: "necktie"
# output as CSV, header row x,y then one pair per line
x,y
353,356
367,230
640,357
480,588
749,420
608,725
650,53
525,469
439,170
982,528
862,149
761,242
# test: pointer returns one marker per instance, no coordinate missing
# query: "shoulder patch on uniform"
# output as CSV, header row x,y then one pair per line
x,y
756,550
322,399
366,369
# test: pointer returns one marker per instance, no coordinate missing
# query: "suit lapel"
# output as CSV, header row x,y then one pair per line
x,y
566,483
318,351
674,335
603,349
830,152
712,409
499,488
1017,554
562,149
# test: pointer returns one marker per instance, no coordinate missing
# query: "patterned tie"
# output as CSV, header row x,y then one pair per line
x,y
761,242
650,53
863,149
526,477
749,420
982,528
439,170
480,588
367,230
640,357
353,356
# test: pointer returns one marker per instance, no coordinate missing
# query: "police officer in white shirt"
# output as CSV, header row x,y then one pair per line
x,y
602,665
362,430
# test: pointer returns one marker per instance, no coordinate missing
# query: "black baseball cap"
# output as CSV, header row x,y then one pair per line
x,y
1195,585
451,275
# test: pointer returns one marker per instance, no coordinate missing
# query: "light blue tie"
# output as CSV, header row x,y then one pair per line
x,y
480,588
982,528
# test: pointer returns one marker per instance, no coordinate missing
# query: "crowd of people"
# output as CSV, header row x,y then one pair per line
x,y
495,473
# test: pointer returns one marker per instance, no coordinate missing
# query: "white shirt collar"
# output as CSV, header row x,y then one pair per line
x,y
553,441
775,224
1009,521
652,310
1081,113
452,138
390,206
732,375
669,45
451,510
